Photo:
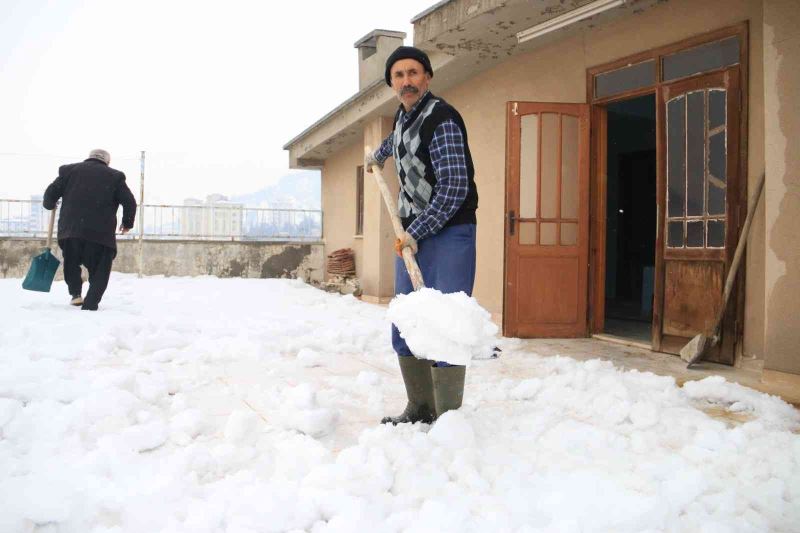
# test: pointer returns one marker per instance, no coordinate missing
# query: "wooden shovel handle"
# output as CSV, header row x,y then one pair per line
x,y
50,227
408,256
737,256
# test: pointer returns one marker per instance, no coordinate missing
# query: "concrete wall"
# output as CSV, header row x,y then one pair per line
x,y
782,202
379,236
373,249
339,202
189,258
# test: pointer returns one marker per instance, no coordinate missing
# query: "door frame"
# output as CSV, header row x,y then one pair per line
x,y
598,176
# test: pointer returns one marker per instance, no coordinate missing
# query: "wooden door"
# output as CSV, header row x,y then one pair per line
x,y
698,199
547,220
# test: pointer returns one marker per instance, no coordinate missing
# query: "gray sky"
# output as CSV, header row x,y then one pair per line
x,y
211,90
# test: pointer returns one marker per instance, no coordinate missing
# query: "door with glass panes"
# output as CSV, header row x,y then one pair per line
x,y
547,220
698,219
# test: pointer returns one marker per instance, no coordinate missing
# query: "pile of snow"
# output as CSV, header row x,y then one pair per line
x,y
163,412
443,327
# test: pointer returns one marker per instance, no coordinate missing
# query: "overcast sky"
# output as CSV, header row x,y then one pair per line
x,y
211,90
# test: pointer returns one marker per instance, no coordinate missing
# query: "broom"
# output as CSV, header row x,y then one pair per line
x,y
697,348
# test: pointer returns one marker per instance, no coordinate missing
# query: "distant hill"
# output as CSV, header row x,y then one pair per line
x,y
299,191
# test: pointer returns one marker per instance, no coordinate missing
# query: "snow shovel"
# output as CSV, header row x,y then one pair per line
x,y
701,344
43,266
408,256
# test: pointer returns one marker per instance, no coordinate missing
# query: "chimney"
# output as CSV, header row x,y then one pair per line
x,y
373,50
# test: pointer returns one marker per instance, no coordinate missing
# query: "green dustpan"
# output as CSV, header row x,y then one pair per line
x,y
43,266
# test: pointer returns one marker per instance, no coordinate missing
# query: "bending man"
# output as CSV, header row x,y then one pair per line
x,y
91,193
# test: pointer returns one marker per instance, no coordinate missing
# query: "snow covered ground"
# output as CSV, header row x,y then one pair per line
x,y
210,405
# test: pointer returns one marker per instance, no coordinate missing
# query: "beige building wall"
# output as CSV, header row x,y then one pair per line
x,y
339,203
782,191
557,73
373,249
379,236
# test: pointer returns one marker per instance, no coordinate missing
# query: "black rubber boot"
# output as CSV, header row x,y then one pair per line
x,y
419,388
448,387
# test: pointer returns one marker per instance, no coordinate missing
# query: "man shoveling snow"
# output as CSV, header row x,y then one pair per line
x,y
437,203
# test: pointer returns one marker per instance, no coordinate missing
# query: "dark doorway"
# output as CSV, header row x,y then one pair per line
x,y
631,218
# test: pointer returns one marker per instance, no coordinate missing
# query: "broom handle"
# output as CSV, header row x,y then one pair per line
x,y
408,256
50,227
737,256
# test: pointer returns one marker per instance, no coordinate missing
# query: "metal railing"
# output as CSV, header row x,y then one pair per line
x,y
227,222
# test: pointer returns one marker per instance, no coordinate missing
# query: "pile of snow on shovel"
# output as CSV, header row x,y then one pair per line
x,y
444,327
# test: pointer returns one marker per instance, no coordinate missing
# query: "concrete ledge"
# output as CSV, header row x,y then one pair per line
x,y
225,259
784,384
377,300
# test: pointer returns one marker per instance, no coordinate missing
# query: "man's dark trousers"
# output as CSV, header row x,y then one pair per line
x,y
97,259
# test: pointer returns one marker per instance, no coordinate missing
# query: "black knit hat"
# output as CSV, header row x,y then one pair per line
x,y
407,52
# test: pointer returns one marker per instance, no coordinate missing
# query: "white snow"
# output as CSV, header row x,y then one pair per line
x,y
208,405
444,327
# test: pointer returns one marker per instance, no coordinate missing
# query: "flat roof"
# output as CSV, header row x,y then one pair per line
x,y
430,10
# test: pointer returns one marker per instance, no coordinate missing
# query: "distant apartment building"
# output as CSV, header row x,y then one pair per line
x,y
192,217
38,217
281,217
214,217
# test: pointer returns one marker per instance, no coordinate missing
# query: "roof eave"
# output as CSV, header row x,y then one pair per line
x,y
360,94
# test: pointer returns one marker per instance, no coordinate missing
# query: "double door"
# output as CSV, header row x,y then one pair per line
x,y
547,233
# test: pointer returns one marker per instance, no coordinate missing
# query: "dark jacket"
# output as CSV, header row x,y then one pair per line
x,y
91,193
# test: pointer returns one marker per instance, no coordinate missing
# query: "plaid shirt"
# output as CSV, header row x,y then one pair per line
x,y
450,168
